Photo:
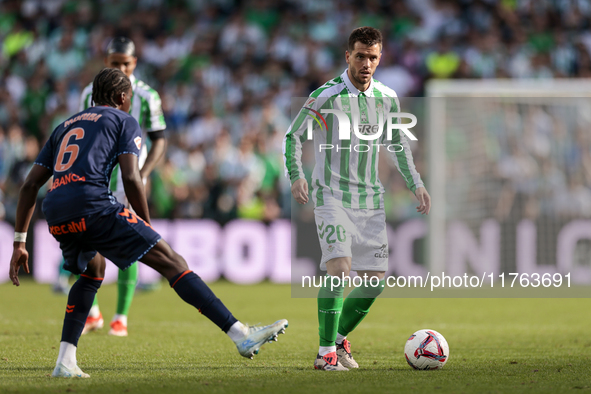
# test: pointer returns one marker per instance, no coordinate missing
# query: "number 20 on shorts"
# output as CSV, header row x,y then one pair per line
x,y
330,232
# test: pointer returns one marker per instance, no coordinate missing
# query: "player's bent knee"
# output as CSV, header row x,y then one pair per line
x,y
339,266
164,260
96,267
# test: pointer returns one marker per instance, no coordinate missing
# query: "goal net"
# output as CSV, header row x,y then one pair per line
x,y
510,177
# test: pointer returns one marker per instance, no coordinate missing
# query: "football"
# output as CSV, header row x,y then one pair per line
x,y
426,349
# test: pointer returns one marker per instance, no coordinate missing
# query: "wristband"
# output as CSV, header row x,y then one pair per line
x,y
20,237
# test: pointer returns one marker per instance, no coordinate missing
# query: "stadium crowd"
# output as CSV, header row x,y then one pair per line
x,y
226,71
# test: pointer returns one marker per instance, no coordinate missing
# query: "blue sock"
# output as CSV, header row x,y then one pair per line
x,y
194,291
79,302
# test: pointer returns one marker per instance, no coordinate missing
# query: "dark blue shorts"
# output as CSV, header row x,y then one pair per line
x,y
118,234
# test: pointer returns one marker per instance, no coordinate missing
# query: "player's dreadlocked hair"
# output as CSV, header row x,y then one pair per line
x,y
365,35
108,84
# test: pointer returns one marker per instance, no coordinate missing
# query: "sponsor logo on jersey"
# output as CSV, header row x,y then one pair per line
x,y
72,227
383,253
138,142
368,129
64,180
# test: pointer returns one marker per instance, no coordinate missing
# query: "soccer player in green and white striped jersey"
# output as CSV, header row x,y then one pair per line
x,y
146,108
347,192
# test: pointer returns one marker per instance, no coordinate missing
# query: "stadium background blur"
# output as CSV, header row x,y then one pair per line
x,y
226,72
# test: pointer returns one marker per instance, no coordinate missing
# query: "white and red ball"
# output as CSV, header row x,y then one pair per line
x,y
426,349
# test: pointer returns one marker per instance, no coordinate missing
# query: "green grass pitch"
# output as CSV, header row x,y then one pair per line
x,y
496,345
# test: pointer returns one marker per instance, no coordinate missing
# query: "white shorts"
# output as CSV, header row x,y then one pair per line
x,y
122,198
356,233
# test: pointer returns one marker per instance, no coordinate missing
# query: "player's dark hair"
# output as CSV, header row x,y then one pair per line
x,y
107,85
121,45
365,35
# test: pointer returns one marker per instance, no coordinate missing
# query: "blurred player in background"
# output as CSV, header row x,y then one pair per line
x,y
347,193
85,219
146,108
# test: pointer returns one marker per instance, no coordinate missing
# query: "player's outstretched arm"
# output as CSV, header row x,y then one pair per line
x,y
133,185
24,211
424,200
292,151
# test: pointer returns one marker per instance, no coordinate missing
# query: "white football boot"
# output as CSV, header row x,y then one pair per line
x,y
329,362
256,337
345,356
61,371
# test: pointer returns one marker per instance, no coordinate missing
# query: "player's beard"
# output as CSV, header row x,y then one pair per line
x,y
356,74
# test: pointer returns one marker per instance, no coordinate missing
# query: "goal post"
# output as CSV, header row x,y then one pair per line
x,y
509,173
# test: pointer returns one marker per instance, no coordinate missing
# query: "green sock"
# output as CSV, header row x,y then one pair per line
x,y
357,305
330,303
126,282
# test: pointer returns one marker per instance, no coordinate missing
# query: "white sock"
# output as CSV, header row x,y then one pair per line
x,y
67,355
340,338
121,318
94,311
237,331
324,350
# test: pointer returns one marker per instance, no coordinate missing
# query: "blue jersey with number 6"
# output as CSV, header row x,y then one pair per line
x,y
82,152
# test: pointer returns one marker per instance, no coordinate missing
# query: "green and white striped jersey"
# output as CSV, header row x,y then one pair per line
x,y
146,108
347,174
